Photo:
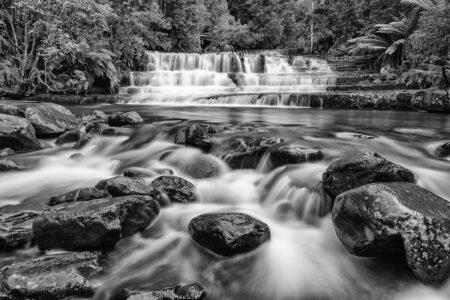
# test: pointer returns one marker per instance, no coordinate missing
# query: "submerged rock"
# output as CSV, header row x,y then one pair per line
x,y
8,165
131,118
364,168
18,134
6,152
53,276
293,154
197,136
94,225
137,173
124,186
71,136
228,234
443,150
50,119
79,195
246,152
167,189
180,292
397,221
196,164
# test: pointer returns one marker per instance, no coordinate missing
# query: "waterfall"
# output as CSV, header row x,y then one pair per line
x,y
228,78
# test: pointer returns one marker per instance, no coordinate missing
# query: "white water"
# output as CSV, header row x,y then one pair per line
x,y
228,78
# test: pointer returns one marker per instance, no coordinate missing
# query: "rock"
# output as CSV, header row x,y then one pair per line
x,y
180,292
18,134
71,136
196,164
180,137
50,119
197,136
443,150
228,234
246,152
167,189
54,276
360,169
137,173
76,156
394,220
8,165
6,152
96,116
79,195
293,154
131,118
83,141
93,225
10,109
123,186
101,129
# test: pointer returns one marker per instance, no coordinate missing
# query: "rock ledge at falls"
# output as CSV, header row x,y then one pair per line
x,y
397,221
228,234
360,169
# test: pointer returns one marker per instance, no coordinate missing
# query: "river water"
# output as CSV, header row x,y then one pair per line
x,y
303,259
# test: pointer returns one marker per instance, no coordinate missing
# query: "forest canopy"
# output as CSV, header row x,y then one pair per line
x,y
69,46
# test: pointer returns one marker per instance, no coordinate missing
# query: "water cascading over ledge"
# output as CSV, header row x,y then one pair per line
x,y
229,78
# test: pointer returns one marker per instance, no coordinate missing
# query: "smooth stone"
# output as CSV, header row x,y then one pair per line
x,y
228,234
18,134
360,169
123,186
79,195
131,118
53,276
397,221
94,225
71,136
281,155
173,189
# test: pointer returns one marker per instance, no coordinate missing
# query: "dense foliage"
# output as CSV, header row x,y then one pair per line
x,y
70,46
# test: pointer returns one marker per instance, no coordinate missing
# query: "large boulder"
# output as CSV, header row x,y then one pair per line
x,y
18,134
131,118
281,155
8,165
167,189
397,221
93,225
124,186
54,276
197,136
364,168
246,152
228,234
79,195
180,292
50,119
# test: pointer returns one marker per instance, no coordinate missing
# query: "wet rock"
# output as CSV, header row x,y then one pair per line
x,y
140,137
357,170
71,136
167,189
196,165
83,141
197,136
397,221
6,152
228,234
8,165
443,150
93,225
95,116
293,154
76,156
10,109
18,134
53,276
124,186
79,195
137,173
50,119
180,137
131,118
246,152
180,292
101,129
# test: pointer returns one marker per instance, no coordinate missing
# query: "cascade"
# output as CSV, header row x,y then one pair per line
x,y
228,78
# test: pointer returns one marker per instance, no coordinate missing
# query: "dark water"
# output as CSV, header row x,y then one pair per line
x,y
304,259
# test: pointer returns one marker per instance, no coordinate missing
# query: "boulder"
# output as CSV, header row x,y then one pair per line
x,y
443,150
101,129
246,152
8,165
6,152
197,165
10,109
123,186
180,137
281,155
228,234
71,136
79,195
397,221
360,169
131,118
83,141
50,119
18,134
167,189
180,292
197,136
93,225
96,115
54,276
